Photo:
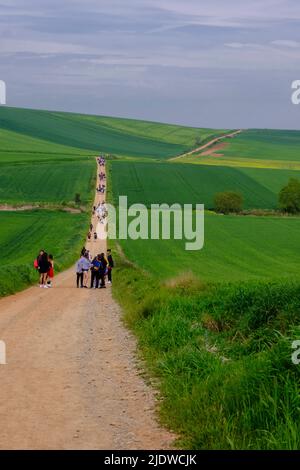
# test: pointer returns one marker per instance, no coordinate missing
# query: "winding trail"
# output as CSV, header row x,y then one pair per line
x,y
71,380
208,144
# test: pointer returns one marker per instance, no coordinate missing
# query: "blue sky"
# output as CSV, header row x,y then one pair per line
x,y
209,63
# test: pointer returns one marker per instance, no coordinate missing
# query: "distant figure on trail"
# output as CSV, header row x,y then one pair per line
x,y
95,236
110,266
89,235
50,274
91,227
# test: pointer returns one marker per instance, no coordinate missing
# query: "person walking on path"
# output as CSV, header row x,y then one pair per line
x,y
110,266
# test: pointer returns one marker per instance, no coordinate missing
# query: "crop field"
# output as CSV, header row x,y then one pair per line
x,y
155,183
265,145
236,248
49,157
50,182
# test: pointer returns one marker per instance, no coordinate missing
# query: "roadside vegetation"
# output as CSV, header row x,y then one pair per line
x,y
220,355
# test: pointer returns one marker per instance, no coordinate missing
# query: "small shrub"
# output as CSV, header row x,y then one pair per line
x,y
77,198
228,201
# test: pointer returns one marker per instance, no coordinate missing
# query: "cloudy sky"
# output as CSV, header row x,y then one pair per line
x,y
212,63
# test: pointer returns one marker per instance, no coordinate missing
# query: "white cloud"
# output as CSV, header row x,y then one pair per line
x,y
286,43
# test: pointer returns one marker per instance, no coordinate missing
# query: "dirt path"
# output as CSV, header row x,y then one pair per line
x,y
209,144
71,380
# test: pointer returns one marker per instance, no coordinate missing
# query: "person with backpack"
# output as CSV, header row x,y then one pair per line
x,y
36,261
110,266
95,272
102,270
43,267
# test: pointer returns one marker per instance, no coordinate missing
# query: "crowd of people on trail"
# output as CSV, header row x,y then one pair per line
x,y
44,264
101,160
101,188
102,177
101,211
90,271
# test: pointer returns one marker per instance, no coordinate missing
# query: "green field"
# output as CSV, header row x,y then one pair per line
x,y
264,144
155,183
49,182
80,133
48,157
235,248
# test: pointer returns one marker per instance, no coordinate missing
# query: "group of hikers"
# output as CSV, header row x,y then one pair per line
x,y
91,235
93,271
90,271
101,188
101,211
44,264
101,160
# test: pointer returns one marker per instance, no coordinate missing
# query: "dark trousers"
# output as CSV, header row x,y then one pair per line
x,y
102,279
80,278
109,273
95,279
